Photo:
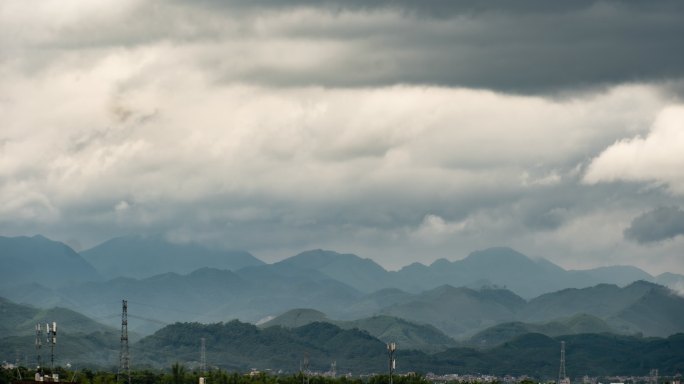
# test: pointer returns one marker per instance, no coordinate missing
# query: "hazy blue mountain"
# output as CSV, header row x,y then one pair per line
x,y
145,256
501,333
362,274
619,274
372,303
36,259
499,266
602,300
208,295
32,294
643,307
18,319
505,267
673,281
459,311
406,334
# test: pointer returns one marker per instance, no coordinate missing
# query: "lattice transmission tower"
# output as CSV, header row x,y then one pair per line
x,y
562,377
124,357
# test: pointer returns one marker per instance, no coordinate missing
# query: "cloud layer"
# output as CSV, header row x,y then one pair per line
x,y
526,46
404,131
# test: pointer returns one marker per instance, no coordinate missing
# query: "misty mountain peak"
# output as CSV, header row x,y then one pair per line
x,y
497,254
26,259
440,263
147,255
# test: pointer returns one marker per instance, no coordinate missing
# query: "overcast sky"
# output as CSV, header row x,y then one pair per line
x,y
398,130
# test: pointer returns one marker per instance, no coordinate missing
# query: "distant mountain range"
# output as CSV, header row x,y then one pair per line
x,y
489,317
460,298
145,256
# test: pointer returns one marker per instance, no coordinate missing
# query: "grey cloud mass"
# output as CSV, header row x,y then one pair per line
x,y
400,130
662,223
526,47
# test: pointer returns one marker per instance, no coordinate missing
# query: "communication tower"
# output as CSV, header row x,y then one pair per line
x,y
51,332
391,348
39,344
124,358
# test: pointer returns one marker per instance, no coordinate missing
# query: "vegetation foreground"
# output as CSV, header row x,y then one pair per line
x,y
179,375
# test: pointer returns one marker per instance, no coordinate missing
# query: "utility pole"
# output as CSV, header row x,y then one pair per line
x,y
391,348
124,358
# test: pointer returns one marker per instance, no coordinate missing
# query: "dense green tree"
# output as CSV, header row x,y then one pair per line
x,y
178,373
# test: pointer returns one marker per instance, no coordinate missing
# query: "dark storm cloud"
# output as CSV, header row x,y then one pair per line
x,y
528,47
520,47
428,8
659,224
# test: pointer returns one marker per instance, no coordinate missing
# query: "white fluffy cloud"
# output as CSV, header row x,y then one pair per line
x,y
657,157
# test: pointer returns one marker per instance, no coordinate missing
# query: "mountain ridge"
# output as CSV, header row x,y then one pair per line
x,y
144,256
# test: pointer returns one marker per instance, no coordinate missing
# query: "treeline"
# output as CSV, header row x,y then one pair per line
x,y
177,374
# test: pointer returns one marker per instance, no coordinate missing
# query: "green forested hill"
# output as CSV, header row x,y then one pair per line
x,y
578,324
19,319
237,345
406,334
79,337
241,346
536,354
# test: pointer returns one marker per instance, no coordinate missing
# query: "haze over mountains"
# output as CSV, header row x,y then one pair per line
x,y
166,282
